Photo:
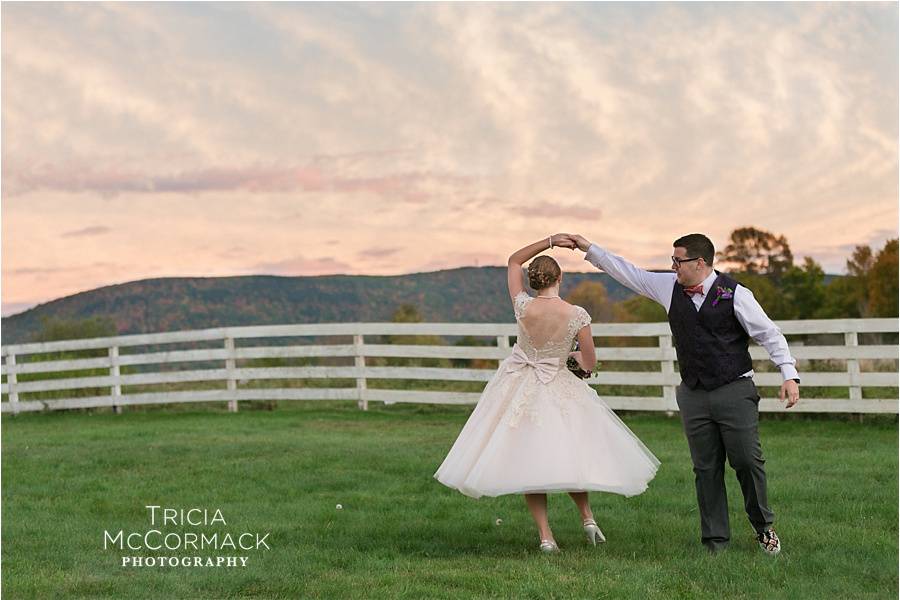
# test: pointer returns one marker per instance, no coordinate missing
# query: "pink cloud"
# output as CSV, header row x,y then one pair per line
x,y
37,270
93,267
377,252
554,210
413,186
88,231
300,265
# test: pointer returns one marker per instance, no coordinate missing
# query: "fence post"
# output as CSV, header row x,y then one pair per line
x,y
503,341
359,361
667,366
852,340
116,390
229,366
11,383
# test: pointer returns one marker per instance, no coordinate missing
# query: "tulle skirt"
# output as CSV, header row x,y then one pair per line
x,y
526,436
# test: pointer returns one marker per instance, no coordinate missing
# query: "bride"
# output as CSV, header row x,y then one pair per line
x,y
537,427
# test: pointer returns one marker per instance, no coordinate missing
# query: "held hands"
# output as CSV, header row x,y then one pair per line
x,y
790,389
562,240
571,241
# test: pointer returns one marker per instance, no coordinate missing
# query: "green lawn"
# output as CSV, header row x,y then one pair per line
x,y
67,477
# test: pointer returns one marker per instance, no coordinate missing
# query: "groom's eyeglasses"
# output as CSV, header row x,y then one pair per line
x,y
676,262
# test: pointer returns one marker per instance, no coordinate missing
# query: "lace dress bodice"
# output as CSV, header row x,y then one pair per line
x,y
547,328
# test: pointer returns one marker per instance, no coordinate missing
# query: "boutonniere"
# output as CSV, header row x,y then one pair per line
x,y
723,293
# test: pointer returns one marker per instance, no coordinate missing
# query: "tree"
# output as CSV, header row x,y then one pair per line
x,y
882,282
592,296
855,291
860,262
409,313
870,287
757,251
841,300
405,313
766,293
638,309
54,328
803,289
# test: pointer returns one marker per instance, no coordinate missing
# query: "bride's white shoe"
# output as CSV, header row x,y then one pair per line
x,y
549,546
593,532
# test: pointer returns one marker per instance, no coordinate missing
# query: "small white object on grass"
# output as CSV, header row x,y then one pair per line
x,y
498,521
339,506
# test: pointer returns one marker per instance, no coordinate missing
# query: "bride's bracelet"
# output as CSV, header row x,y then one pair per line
x,y
550,239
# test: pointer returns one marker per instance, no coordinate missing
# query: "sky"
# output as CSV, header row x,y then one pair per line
x,y
144,140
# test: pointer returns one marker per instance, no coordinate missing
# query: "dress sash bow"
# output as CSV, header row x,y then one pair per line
x,y
545,368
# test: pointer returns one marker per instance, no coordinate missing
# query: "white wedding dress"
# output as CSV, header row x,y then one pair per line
x,y
539,428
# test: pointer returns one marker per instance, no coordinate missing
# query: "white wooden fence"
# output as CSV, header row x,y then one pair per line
x,y
24,359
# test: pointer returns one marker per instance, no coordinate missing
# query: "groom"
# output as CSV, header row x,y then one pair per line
x,y
712,317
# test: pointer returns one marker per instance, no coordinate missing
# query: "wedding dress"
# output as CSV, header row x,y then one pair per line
x,y
539,428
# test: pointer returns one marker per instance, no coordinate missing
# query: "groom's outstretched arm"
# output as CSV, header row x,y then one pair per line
x,y
761,328
764,332
656,286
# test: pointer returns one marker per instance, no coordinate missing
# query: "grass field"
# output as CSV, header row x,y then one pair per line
x,y
67,477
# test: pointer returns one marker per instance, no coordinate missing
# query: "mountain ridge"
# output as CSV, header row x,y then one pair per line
x,y
463,294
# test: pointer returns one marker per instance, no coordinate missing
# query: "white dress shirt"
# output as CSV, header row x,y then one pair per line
x,y
659,286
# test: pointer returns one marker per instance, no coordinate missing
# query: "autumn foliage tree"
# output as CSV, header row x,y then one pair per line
x,y
592,296
756,251
873,280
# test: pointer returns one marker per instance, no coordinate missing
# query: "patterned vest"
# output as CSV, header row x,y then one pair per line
x,y
710,343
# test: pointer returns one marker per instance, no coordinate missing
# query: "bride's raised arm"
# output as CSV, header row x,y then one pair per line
x,y
520,256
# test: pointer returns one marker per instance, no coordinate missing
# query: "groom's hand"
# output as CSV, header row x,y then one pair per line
x,y
791,390
563,240
581,243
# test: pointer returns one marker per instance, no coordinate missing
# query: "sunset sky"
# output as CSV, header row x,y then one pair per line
x,y
203,139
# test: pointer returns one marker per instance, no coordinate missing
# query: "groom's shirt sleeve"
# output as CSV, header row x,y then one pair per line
x,y
656,286
764,332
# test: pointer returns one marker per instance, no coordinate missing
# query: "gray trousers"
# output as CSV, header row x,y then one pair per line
x,y
718,424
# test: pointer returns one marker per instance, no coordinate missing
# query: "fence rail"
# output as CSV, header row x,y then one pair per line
x,y
32,361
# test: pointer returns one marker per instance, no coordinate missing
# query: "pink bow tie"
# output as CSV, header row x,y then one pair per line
x,y
694,289
544,368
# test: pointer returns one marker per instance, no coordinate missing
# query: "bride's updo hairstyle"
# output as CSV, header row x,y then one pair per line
x,y
543,272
